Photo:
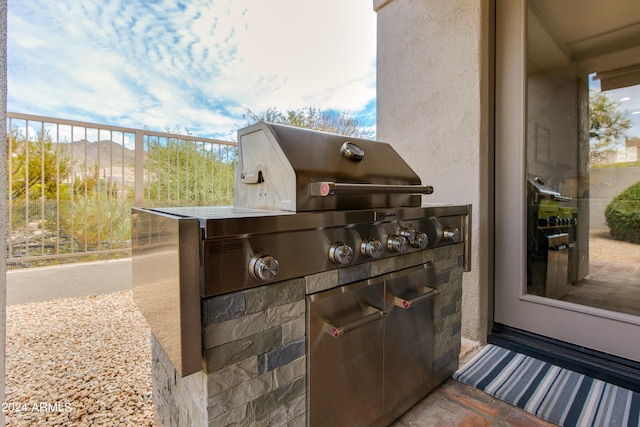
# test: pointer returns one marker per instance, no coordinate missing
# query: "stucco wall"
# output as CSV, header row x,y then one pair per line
x,y
605,184
3,190
433,102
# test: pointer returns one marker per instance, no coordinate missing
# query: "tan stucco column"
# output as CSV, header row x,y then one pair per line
x,y
3,199
433,106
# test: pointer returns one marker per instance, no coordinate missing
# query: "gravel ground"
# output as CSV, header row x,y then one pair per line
x,y
78,362
603,248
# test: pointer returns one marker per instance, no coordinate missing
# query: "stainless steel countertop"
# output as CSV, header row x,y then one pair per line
x,y
225,221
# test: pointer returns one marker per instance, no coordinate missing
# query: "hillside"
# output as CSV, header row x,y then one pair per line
x,y
112,159
104,152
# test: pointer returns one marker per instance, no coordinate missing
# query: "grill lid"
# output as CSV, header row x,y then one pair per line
x,y
293,169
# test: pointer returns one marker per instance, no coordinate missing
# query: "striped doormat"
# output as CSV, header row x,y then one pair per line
x,y
560,396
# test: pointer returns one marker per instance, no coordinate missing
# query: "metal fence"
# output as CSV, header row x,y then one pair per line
x,y
71,185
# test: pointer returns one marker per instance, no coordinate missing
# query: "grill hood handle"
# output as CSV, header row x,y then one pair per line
x,y
553,195
322,189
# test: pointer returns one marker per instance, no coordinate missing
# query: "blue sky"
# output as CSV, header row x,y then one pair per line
x,y
189,64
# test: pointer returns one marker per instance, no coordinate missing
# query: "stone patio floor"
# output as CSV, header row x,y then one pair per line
x,y
455,404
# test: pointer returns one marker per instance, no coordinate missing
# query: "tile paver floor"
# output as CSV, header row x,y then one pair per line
x,y
454,404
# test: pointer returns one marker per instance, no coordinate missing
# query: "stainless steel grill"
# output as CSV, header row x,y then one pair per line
x,y
308,202
551,238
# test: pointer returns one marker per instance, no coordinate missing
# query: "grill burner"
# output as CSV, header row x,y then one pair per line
x,y
307,203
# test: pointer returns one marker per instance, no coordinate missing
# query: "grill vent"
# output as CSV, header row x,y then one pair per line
x,y
221,248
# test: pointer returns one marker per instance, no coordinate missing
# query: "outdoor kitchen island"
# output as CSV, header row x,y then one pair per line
x,y
343,310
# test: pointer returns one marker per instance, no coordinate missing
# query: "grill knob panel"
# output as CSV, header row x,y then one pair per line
x,y
451,234
397,244
421,240
263,267
372,248
341,253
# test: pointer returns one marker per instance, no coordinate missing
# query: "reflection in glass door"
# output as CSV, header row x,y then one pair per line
x,y
583,153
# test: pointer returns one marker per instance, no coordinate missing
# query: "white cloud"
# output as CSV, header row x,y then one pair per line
x,y
134,63
303,54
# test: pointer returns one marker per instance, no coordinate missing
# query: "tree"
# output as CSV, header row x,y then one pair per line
x,y
623,215
36,166
339,122
189,173
72,213
607,124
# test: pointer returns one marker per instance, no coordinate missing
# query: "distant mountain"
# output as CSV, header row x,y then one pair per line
x,y
112,159
103,152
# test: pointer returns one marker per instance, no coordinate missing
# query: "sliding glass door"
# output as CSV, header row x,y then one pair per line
x,y
568,171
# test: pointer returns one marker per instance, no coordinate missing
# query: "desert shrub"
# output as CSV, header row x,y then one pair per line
x,y
623,215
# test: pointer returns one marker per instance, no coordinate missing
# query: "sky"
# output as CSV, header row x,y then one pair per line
x,y
193,64
627,100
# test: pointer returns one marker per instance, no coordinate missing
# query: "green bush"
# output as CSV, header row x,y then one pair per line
x,y
623,215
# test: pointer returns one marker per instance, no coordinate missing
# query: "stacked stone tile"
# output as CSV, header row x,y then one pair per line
x,y
255,355
447,325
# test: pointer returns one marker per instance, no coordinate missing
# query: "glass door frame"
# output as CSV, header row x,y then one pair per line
x,y
597,329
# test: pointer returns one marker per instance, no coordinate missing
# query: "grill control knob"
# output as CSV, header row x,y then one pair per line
x,y
421,240
451,234
372,248
397,244
341,253
264,267
408,234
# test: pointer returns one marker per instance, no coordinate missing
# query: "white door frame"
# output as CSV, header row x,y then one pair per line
x,y
609,332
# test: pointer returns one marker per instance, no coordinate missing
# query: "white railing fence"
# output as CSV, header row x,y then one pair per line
x,y
71,185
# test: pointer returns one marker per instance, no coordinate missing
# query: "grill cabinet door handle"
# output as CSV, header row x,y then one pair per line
x,y
338,331
408,303
323,189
